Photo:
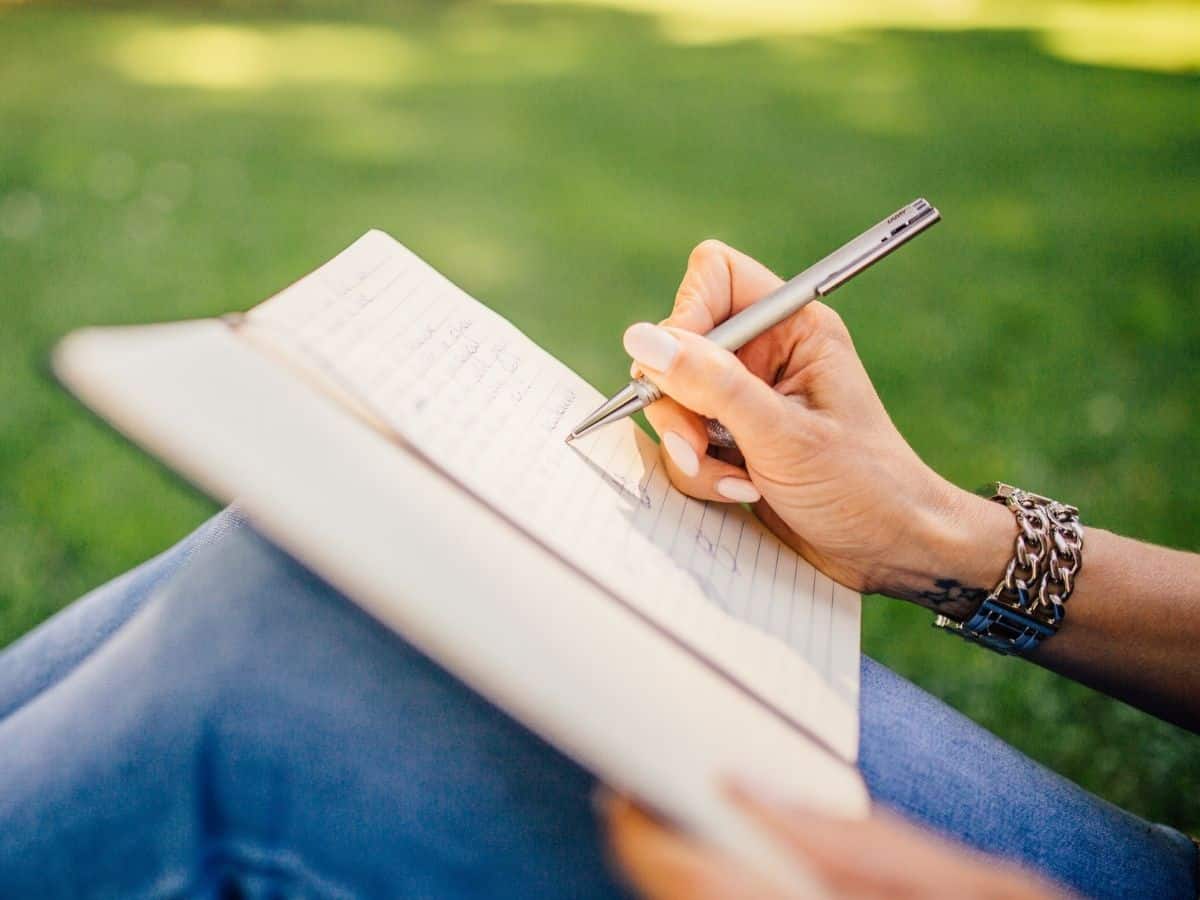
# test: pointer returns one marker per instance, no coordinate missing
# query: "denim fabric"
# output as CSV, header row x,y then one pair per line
x,y
43,656
220,723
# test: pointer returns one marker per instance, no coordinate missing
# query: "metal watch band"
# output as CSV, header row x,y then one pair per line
x,y
1029,602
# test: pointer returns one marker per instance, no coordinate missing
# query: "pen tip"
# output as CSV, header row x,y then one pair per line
x,y
570,437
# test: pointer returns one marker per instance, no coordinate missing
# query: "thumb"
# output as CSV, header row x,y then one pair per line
x,y
705,378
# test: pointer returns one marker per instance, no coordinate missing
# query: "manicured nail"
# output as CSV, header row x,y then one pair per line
x,y
681,454
738,489
651,346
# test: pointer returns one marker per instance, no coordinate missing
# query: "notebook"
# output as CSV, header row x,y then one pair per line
x,y
406,442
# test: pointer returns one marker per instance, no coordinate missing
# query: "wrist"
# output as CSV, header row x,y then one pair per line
x,y
980,540
963,544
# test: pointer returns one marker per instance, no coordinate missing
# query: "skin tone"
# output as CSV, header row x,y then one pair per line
x,y
883,857
826,470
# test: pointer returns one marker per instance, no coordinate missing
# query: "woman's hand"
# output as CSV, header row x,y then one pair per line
x,y
820,459
881,857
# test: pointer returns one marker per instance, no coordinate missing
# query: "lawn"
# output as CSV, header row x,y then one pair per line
x,y
559,162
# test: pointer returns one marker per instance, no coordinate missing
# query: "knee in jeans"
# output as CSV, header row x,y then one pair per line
x,y
225,626
233,595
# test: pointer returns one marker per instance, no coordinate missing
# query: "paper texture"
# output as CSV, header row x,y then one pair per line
x,y
479,399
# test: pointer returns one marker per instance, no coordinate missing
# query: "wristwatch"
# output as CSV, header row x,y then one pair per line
x,y
1029,602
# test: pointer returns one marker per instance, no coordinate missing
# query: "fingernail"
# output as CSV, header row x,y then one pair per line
x,y
651,346
681,454
738,489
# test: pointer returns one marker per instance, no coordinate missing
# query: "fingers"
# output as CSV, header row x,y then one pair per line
x,y
707,380
718,283
878,857
663,865
884,856
685,452
841,848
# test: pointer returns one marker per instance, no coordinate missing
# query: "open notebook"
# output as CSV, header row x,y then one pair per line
x,y
407,443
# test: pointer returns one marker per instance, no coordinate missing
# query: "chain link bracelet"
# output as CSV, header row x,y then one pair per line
x,y
1029,603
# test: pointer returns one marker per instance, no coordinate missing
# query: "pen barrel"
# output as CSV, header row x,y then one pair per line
x,y
772,309
825,276
816,281
647,392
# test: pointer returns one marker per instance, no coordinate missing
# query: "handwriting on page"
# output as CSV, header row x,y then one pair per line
x,y
491,407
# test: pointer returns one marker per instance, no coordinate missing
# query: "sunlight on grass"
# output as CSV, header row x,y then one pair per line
x,y
1156,36
1147,36
238,56
248,57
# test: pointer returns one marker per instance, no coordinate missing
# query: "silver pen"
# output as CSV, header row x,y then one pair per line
x,y
818,280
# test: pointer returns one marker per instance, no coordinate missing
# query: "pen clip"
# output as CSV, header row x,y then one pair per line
x,y
892,236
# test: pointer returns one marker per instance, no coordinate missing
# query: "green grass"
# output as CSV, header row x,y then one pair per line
x,y
559,163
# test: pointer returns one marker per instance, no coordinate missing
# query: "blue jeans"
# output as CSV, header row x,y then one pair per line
x,y
221,723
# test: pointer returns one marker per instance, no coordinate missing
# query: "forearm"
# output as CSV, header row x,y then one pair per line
x,y
1132,627
835,479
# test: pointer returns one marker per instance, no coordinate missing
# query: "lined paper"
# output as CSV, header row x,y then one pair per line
x,y
490,407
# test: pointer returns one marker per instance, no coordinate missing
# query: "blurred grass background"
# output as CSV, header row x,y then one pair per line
x,y
559,161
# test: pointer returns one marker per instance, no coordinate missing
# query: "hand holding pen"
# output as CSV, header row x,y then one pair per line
x,y
819,456
818,280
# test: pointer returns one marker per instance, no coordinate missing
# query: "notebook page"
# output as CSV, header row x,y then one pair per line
x,y
491,408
